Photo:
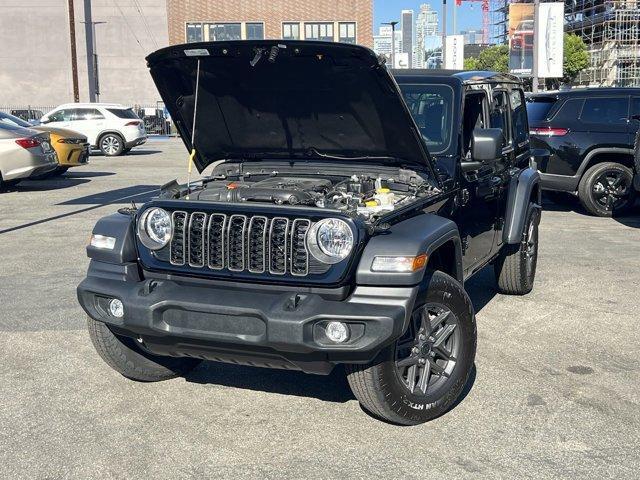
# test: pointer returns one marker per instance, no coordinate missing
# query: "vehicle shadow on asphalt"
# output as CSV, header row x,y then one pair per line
x,y
120,196
482,288
57,183
132,153
571,204
328,388
82,174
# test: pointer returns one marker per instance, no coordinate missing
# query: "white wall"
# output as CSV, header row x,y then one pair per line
x,y
35,54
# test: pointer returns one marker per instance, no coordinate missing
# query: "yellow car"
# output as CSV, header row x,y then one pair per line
x,y
72,147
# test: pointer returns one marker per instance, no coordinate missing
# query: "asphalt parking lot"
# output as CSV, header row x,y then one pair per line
x,y
555,392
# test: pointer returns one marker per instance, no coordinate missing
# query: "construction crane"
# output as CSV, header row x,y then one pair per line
x,y
485,17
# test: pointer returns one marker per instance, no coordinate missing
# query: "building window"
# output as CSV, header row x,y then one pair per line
x,y
224,31
291,31
194,32
319,31
255,31
347,32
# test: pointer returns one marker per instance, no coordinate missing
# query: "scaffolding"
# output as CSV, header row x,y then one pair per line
x,y
611,30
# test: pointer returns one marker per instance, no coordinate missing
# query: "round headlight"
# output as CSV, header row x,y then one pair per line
x,y
154,228
330,240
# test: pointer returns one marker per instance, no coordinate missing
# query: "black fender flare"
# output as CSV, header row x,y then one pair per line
x,y
521,189
412,237
121,227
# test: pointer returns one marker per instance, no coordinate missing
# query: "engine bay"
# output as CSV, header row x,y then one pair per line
x,y
364,195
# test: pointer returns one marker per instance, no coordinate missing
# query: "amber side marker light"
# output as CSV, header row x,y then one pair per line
x,y
399,264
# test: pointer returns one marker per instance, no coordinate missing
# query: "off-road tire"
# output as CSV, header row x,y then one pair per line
x,y
125,357
515,269
586,194
109,140
377,385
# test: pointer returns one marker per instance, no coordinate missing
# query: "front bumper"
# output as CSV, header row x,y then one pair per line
x,y
250,325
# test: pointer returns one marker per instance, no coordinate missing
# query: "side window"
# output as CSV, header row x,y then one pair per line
x,y
476,110
605,110
499,117
59,116
85,114
519,117
635,106
569,111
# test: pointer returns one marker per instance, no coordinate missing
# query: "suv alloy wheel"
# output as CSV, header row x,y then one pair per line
x,y
606,189
111,144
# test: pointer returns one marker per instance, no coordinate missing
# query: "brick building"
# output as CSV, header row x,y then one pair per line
x,y
348,21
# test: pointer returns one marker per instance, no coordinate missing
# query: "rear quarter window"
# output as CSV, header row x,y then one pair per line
x,y
605,110
123,112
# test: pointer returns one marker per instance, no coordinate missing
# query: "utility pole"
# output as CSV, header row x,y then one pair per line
x,y
444,33
393,42
536,61
88,33
74,55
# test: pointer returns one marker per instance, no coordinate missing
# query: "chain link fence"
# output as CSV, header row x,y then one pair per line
x,y
155,116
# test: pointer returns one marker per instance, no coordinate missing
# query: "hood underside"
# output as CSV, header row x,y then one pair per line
x,y
286,99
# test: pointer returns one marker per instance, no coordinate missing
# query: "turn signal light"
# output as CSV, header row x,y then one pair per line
x,y
549,132
399,264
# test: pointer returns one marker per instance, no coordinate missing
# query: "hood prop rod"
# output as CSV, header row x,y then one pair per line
x,y
193,131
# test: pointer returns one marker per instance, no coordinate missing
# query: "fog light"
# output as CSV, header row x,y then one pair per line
x,y
337,332
116,308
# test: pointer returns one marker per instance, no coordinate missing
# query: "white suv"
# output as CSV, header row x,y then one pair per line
x,y
112,128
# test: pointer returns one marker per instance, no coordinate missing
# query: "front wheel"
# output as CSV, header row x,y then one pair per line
x,y
125,357
606,189
421,375
111,144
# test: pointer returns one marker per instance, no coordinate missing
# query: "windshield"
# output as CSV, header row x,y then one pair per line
x,y
430,106
6,119
538,109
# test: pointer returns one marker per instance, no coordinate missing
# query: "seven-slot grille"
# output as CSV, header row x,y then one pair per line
x,y
239,243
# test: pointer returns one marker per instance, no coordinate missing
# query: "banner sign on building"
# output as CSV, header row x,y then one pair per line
x,y
521,25
454,58
550,42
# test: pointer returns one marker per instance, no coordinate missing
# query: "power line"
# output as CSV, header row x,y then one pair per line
x,y
127,24
145,23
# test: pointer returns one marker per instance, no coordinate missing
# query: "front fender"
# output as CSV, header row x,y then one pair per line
x,y
120,227
412,237
521,189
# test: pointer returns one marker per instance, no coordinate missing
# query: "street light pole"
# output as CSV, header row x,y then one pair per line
x,y
444,33
393,42
535,68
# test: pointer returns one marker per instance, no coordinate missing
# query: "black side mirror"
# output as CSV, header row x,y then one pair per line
x,y
486,144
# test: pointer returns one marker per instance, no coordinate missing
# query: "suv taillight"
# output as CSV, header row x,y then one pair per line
x,y
28,142
134,123
549,132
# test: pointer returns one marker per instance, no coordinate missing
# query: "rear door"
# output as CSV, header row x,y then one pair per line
x,y
634,116
88,121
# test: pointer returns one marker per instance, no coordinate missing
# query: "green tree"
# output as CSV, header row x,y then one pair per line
x,y
495,58
576,56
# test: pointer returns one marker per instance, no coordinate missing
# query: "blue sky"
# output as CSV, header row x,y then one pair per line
x,y
469,13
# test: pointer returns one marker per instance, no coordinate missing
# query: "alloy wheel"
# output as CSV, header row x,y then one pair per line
x,y
611,190
110,144
427,353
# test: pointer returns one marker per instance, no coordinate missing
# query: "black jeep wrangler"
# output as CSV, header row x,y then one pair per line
x,y
342,215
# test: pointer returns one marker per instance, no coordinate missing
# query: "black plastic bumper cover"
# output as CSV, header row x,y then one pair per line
x,y
282,329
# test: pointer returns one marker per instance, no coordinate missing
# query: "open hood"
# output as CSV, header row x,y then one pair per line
x,y
286,99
